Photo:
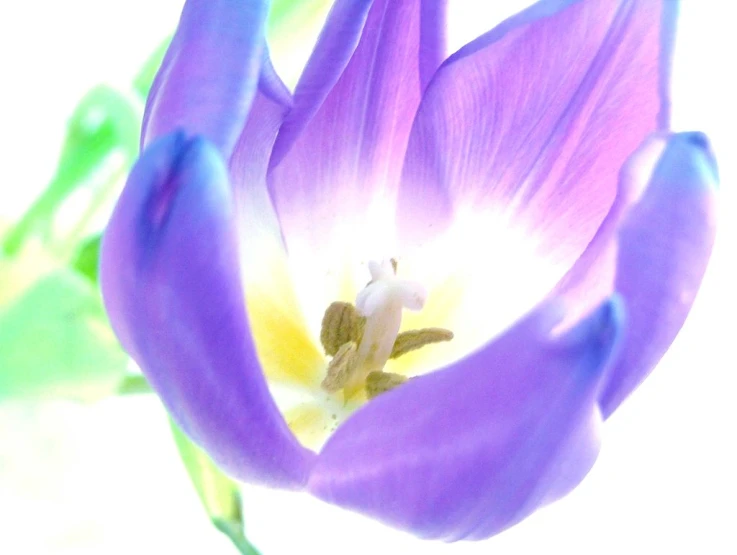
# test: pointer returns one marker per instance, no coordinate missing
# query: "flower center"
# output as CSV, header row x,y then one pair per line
x,y
362,338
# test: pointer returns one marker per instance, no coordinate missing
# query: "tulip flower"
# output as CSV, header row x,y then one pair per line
x,y
418,285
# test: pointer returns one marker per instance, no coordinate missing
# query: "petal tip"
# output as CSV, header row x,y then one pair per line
x,y
188,161
600,332
699,141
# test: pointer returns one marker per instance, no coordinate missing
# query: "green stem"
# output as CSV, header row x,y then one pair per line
x,y
235,534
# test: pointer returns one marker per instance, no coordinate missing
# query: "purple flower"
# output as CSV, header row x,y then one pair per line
x,y
529,182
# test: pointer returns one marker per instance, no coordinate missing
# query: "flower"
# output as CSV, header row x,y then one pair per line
x,y
530,180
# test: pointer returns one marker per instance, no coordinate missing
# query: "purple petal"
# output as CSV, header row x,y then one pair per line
x,y
334,49
171,284
591,278
248,165
342,146
533,120
663,249
286,348
433,20
209,75
250,158
468,451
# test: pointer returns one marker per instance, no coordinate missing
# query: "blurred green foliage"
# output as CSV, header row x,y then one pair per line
x,y
105,123
55,342
291,13
144,79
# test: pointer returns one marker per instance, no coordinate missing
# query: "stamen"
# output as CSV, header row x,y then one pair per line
x,y
414,339
340,324
381,382
363,338
341,368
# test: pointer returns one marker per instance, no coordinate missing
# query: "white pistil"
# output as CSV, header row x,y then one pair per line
x,y
381,303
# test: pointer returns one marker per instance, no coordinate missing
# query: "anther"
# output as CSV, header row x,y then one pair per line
x,y
341,368
381,382
414,339
340,324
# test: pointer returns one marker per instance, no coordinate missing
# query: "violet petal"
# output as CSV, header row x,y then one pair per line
x,y
332,53
249,161
552,103
341,147
287,350
172,289
664,245
591,278
468,451
210,73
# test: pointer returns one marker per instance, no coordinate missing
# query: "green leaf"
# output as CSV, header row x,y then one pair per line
x,y
219,494
87,259
55,341
134,384
104,123
145,77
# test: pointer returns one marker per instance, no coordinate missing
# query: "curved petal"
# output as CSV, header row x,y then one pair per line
x,y
591,278
338,156
209,75
552,103
334,49
285,346
433,40
468,451
171,284
664,246
249,160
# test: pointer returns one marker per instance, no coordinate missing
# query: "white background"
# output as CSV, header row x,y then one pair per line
x,y
105,479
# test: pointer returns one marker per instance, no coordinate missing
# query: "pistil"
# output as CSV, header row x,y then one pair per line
x,y
363,338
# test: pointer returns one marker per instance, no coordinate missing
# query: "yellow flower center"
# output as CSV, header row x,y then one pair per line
x,y
358,341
